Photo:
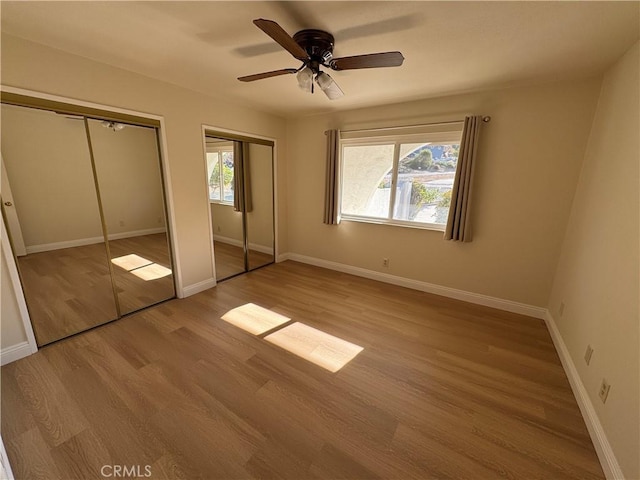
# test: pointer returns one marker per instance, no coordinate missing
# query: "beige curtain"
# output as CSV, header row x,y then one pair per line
x,y
331,194
241,189
458,227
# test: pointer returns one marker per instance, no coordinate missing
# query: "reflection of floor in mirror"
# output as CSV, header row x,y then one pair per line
x,y
134,292
230,259
69,290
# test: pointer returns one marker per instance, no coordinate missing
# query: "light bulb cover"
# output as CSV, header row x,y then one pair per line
x,y
115,126
328,86
324,80
305,79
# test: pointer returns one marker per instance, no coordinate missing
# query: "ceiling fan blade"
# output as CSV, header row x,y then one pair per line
x,y
260,76
396,24
390,25
276,32
372,60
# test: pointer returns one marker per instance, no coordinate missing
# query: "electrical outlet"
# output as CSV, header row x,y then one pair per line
x,y
218,228
561,311
587,354
385,262
122,223
604,390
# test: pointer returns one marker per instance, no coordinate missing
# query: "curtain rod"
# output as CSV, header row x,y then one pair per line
x,y
485,119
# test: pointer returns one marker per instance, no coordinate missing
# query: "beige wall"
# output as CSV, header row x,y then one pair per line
x,y
528,165
597,276
227,223
36,67
260,218
128,170
49,168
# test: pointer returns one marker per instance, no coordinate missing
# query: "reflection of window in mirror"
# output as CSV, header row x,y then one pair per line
x,y
220,173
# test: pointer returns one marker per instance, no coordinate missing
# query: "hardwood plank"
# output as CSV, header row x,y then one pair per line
x,y
52,406
70,290
442,389
82,456
30,456
333,463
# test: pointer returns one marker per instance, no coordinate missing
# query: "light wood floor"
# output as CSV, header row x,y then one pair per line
x,y
70,290
442,389
230,260
135,293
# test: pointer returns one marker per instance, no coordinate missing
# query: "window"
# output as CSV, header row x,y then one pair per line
x,y
400,180
220,174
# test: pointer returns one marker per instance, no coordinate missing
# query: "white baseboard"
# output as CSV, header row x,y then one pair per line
x,y
47,247
607,458
197,287
283,257
228,240
476,298
15,352
238,243
602,446
5,467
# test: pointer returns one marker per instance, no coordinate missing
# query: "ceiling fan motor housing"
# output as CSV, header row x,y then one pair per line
x,y
318,44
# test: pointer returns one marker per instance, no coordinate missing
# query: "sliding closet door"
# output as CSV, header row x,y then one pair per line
x,y
258,181
241,197
226,217
65,273
129,177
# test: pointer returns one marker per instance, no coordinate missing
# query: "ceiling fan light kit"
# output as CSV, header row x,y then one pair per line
x,y
305,79
328,86
315,49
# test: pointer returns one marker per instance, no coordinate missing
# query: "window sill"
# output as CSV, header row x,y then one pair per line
x,y
218,202
395,223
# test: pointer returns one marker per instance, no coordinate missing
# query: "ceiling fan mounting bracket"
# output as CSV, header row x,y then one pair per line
x,y
317,43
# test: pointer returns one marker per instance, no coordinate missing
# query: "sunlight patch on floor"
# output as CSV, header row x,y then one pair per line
x,y
141,267
131,262
151,272
254,318
326,351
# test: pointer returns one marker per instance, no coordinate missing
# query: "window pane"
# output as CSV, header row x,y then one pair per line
x,y
426,173
213,174
366,180
227,169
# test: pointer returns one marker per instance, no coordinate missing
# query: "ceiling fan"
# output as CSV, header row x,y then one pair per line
x,y
314,48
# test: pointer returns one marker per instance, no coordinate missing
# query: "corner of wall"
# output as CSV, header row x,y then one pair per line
x,y
607,458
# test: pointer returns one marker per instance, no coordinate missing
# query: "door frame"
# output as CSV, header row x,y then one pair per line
x,y
16,352
216,129
10,213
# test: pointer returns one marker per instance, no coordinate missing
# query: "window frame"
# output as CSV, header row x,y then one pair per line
x,y
452,136
219,150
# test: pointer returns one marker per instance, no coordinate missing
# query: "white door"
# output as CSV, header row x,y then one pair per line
x,y
10,214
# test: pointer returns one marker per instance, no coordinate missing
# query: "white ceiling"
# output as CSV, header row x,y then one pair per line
x,y
449,47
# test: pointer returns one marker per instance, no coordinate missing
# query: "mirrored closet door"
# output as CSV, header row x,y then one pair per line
x,y
84,205
241,198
